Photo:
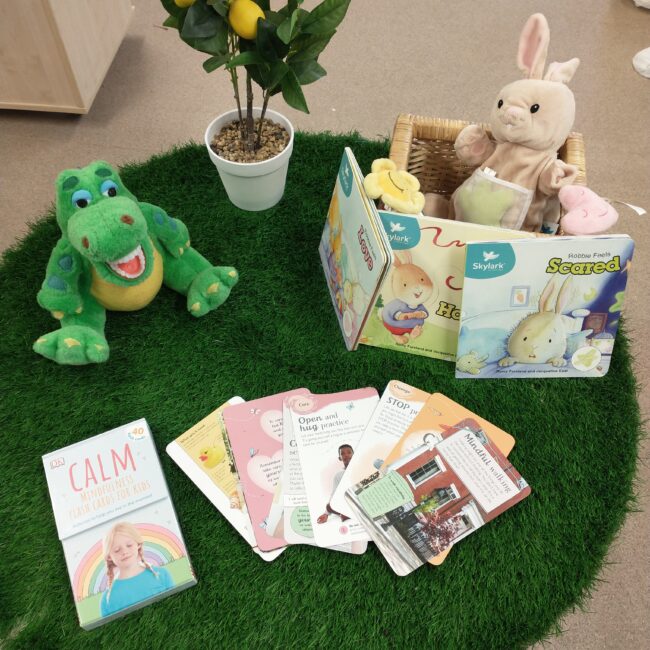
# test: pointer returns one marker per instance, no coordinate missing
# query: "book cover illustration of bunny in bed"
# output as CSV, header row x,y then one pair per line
x,y
542,308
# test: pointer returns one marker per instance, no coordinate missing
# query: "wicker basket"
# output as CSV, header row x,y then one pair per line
x,y
424,146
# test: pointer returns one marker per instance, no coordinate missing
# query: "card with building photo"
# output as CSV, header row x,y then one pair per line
x,y
423,502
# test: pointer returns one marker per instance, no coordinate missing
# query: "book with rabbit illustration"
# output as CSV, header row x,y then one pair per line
x,y
396,279
121,539
548,307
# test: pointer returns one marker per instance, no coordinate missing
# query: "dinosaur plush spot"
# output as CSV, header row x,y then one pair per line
x,y
172,224
71,342
66,263
181,251
55,282
233,274
58,314
213,288
78,310
196,306
70,182
158,218
103,172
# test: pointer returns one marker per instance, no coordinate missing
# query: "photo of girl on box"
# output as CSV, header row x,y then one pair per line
x,y
131,579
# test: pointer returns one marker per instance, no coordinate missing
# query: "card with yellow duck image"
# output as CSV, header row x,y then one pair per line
x,y
203,452
547,307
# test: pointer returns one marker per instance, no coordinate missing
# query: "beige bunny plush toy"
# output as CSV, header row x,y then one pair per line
x,y
519,174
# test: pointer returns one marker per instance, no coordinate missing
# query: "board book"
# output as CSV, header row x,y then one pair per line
x,y
547,307
121,540
395,280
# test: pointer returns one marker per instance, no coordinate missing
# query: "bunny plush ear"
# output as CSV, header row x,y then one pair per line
x,y
533,45
562,72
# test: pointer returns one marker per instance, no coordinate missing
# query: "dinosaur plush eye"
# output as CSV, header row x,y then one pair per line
x,y
500,103
109,188
82,198
534,108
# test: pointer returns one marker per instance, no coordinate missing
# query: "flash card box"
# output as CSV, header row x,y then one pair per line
x,y
395,280
121,540
547,307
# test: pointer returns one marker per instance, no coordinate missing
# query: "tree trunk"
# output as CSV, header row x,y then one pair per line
x,y
250,122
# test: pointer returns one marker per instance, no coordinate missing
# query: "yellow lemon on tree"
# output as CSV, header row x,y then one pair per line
x,y
242,16
184,4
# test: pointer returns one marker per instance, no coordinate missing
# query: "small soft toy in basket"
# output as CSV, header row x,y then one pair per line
x,y
519,175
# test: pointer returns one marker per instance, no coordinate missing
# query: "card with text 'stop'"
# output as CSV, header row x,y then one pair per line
x,y
442,482
327,429
255,432
399,404
203,453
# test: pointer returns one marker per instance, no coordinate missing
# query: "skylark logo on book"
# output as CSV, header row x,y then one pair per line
x,y
498,259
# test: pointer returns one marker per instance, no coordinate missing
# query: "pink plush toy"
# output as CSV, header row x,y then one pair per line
x,y
587,213
519,174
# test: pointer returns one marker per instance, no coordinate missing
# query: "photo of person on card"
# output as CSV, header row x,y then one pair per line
x,y
345,456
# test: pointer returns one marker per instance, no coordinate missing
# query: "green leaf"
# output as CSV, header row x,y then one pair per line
x,y
292,92
200,22
172,22
215,45
220,6
286,29
308,71
275,75
265,5
172,8
325,17
215,62
245,58
306,48
264,40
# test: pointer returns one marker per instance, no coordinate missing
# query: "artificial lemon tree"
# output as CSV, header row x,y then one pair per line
x,y
278,48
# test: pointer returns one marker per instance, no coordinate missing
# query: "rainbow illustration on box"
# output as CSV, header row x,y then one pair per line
x,y
395,280
121,539
547,307
162,547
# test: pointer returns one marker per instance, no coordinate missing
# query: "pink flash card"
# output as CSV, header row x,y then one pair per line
x,y
255,434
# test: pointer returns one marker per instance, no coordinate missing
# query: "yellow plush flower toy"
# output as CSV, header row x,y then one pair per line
x,y
397,189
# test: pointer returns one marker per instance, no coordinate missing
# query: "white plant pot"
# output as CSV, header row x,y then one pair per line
x,y
252,186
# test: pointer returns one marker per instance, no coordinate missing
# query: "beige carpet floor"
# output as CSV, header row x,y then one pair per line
x,y
445,59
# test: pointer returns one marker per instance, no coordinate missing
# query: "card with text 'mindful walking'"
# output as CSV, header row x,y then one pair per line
x,y
444,479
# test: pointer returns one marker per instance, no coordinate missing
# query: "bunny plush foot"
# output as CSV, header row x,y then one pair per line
x,y
557,362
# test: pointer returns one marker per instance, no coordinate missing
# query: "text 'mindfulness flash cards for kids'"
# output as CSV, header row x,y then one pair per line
x,y
327,429
114,516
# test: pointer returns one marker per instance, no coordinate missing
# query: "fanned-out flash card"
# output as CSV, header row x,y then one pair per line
x,y
327,429
203,453
397,408
293,498
446,477
255,431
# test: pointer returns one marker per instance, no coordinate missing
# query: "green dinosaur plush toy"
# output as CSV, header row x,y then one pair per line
x,y
114,253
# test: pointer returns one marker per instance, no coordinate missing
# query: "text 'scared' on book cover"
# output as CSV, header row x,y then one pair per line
x,y
114,516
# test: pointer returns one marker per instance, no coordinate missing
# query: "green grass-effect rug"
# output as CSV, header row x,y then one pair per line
x,y
506,586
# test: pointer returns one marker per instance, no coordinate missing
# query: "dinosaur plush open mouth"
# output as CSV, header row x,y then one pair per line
x,y
130,266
